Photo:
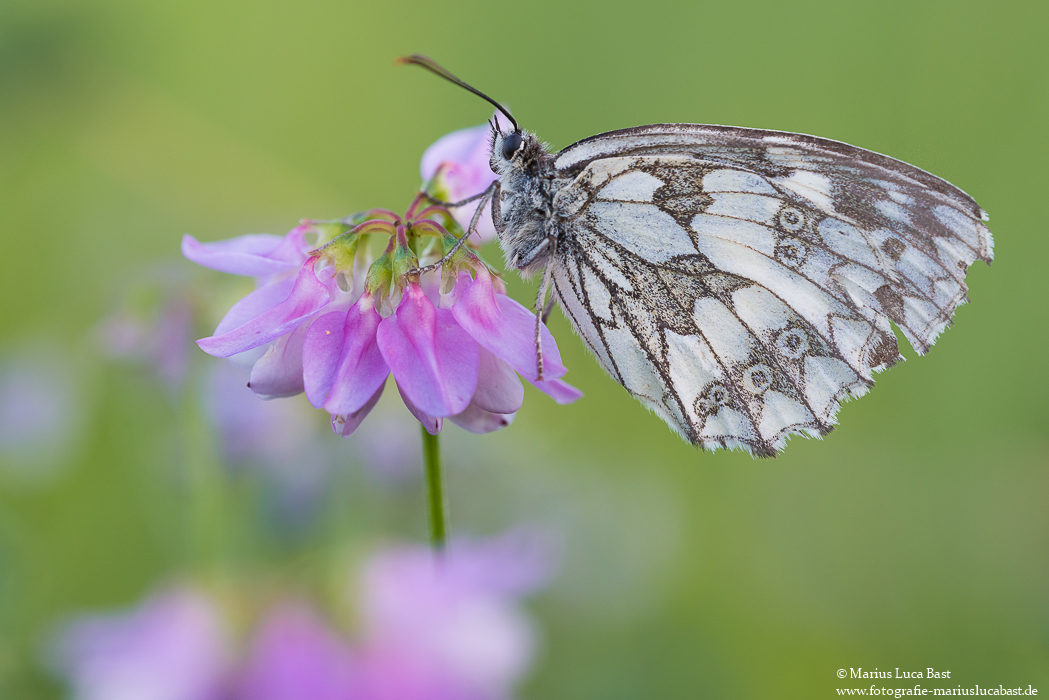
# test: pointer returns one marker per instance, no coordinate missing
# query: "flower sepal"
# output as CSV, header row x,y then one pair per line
x,y
442,217
326,231
341,251
404,258
438,186
380,274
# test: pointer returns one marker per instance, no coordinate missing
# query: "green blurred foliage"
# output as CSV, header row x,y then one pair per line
x,y
915,535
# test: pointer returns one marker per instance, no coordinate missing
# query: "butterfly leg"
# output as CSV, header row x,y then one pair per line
x,y
485,196
453,205
542,310
548,308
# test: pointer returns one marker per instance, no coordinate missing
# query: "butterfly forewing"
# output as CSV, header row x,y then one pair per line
x,y
741,282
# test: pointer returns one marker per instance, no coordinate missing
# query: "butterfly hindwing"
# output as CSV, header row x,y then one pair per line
x,y
743,288
720,358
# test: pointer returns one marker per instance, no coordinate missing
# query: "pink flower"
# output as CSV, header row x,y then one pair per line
x,y
42,414
173,647
459,362
462,158
452,627
432,628
295,656
274,440
449,628
337,329
161,341
288,293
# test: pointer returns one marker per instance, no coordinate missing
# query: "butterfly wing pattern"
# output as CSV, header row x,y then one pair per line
x,y
740,282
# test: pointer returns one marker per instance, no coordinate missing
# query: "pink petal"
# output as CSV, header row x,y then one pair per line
x,y
431,284
465,155
432,424
346,425
468,149
320,355
434,361
498,388
251,255
478,421
293,247
522,321
504,327
262,299
343,364
485,230
559,390
308,297
278,373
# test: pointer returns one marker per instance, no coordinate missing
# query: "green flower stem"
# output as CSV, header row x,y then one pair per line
x,y
434,490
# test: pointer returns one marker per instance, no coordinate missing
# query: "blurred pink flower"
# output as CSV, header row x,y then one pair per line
x,y
162,341
434,628
276,440
42,413
295,656
462,157
450,627
173,647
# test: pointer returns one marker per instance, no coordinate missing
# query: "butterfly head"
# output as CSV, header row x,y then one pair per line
x,y
515,150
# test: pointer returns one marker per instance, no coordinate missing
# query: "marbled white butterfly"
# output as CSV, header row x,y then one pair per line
x,y
738,282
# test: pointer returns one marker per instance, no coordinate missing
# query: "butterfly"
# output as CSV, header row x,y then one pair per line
x,y
739,282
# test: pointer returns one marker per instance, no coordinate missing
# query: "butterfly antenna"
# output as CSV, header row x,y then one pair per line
x,y
436,68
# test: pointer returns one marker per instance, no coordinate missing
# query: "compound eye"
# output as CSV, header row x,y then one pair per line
x,y
510,145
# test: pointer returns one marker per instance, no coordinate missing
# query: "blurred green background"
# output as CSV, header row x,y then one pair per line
x,y
915,535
